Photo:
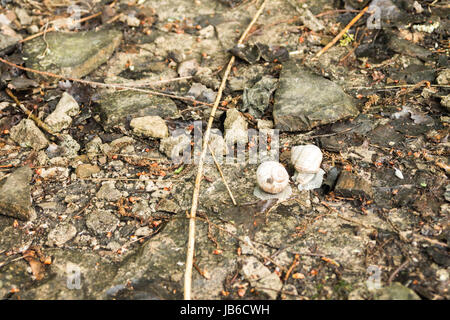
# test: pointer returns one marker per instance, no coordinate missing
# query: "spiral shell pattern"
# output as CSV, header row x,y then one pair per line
x,y
272,177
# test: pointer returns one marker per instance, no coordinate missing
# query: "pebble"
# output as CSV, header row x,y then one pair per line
x,y
188,68
102,221
61,234
235,127
109,192
150,126
15,195
60,118
86,170
27,134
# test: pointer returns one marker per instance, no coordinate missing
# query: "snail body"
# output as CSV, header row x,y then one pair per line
x,y
272,177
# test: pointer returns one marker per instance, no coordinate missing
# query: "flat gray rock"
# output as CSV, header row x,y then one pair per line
x,y
8,37
71,54
27,134
305,100
15,195
119,107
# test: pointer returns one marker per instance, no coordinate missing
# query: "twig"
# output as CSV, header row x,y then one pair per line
x,y
38,121
339,36
249,242
101,84
294,264
198,179
398,87
221,174
95,15
394,274
125,179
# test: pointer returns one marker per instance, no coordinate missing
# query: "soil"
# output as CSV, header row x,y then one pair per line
x,y
108,212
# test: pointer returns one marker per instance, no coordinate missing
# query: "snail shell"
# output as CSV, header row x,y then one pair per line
x,y
306,159
272,177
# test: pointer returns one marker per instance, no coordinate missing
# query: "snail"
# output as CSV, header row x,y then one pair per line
x,y
306,160
272,177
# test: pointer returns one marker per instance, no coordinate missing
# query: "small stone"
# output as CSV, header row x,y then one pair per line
x,y
447,193
398,174
15,194
235,127
69,146
102,222
141,210
33,29
150,126
93,147
264,124
61,234
55,173
113,246
27,134
445,102
207,32
8,37
168,205
109,192
351,185
86,170
143,232
188,68
202,92
66,108
442,275
396,291
261,277
256,99
23,16
133,21
444,77
174,146
310,20
217,144
418,7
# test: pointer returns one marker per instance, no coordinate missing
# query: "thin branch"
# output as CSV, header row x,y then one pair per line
x,y
101,84
38,121
95,15
198,179
221,174
339,36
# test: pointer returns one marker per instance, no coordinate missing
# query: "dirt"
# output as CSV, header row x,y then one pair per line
x,y
108,213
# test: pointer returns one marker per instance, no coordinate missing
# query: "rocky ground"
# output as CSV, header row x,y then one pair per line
x,y
93,207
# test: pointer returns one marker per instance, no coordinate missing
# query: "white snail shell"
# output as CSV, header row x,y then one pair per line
x,y
272,177
306,159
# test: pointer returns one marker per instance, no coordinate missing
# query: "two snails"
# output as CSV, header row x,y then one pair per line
x,y
273,179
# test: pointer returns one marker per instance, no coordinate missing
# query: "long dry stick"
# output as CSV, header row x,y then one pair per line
x,y
354,20
101,84
221,174
198,179
95,15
